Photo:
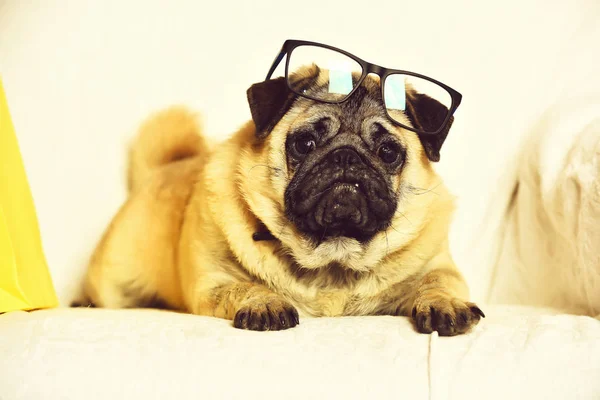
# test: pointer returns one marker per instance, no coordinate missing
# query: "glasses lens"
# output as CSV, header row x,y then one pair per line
x,y
321,73
399,87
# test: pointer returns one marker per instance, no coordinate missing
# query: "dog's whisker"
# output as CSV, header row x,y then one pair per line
x,y
404,216
320,193
387,244
414,189
275,169
397,231
283,226
322,236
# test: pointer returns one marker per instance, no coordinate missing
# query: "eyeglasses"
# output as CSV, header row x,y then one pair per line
x,y
324,73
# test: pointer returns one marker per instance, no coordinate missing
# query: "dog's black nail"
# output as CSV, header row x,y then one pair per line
x,y
421,320
263,321
282,319
295,316
478,311
414,312
240,319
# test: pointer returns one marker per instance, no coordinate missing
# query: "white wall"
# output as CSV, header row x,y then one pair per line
x,y
80,75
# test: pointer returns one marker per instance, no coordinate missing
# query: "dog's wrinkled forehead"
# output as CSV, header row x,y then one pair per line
x,y
364,103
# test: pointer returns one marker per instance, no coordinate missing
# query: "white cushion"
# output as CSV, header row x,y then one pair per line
x,y
145,354
549,256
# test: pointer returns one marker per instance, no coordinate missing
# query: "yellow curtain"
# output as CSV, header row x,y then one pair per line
x,y
25,282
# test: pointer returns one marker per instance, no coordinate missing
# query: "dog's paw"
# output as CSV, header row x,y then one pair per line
x,y
268,314
447,316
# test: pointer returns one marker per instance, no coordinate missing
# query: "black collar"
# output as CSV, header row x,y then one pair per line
x,y
263,235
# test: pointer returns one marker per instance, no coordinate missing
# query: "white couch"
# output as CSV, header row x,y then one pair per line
x,y
105,354
79,77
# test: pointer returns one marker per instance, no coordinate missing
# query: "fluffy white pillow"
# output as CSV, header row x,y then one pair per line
x,y
550,255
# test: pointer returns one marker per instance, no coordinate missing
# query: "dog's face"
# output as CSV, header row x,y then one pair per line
x,y
343,160
339,171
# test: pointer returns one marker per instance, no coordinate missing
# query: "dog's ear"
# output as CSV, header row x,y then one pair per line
x,y
427,114
269,101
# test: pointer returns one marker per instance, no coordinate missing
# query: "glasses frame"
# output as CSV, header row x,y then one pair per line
x,y
367,68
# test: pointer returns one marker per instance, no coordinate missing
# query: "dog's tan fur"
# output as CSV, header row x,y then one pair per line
x,y
184,236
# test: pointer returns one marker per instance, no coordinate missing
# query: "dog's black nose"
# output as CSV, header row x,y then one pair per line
x,y
344,157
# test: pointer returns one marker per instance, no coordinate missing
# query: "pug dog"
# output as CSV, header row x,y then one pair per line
x,y
310,209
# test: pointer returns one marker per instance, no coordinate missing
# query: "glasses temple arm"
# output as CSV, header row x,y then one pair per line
x,y
275,64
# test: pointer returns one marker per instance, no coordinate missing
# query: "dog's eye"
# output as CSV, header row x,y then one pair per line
x,y
304,144
388,152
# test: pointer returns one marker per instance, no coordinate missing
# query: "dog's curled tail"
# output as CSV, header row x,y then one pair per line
x,y
168,136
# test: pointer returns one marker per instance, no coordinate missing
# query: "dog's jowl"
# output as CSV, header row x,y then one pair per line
x,y
313,208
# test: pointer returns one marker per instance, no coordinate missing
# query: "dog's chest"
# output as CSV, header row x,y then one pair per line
x,y
326,304
333,290
336,300
334,303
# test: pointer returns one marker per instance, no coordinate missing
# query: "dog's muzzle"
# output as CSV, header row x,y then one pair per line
x,y
341,209
341,195
343,205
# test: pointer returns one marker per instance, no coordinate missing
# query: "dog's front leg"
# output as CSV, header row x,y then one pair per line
x,y
250,306
440,300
